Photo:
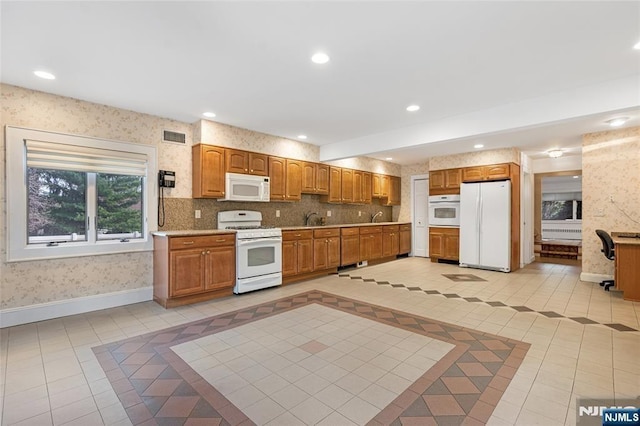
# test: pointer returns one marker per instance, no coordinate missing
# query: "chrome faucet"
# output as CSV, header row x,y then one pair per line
x,y
374,216
307,218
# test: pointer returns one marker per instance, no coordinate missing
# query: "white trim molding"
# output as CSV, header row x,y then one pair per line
x,y
594,278
79,305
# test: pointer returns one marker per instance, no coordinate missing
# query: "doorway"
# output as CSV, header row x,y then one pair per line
x,y
420,214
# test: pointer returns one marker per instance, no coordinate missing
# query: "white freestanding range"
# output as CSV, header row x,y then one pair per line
x,y
485,225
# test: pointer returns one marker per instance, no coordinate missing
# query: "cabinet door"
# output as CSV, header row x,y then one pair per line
x,y
376,246
436,179
320,254
237,161
497,171
436,244
333,252
451,247
384,191
289,258
294,180
308,178
277,182
357,187
350,249
376,190
394,191
208,171
365,247
220,268
472,174
366,187
258,164
322,179
335,185
305,256
347,185
388,244
453,177
187,268
405,242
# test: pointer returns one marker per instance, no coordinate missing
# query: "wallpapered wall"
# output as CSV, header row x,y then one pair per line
x,y
33,282
610,167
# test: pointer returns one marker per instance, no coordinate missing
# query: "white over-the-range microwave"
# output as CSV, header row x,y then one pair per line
x,y
239,187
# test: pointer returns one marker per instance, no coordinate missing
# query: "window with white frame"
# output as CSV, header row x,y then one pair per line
x,y
76,195
562,206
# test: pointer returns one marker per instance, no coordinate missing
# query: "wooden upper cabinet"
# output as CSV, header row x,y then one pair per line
x,y
376,189
384,186
334,194
293,187
445,181
394,191
277,178
347,185
492,172
366,187
208,171
246,162
358,196
315,178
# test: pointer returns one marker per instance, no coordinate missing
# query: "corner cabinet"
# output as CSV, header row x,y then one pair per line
x,y
444,243
189,269
208,171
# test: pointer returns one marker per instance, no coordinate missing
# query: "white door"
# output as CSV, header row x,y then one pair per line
x,y
527,221
469,224
495,225
420,240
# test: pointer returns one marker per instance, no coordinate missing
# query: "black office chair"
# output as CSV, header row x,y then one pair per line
x,y
609,252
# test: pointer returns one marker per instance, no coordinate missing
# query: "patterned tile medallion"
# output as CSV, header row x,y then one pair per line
x,y
463,278
156,386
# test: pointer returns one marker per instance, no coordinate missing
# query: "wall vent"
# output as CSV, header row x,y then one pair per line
x,y
175,137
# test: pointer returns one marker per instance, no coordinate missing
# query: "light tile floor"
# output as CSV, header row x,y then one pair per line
x,y
49,374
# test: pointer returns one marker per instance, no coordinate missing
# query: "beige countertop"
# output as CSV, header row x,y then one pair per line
x,y
189,233
617,239
344,225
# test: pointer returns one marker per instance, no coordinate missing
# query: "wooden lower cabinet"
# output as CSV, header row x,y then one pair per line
x,y
297,252
390,240
326,248
370,243
188,269
349,246
404,245
444,243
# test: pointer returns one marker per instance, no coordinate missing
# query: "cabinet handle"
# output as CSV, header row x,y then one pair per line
x,y
188,243
297,235
251,170
208,252
203,253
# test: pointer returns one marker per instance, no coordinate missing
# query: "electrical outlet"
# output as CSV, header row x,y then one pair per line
x,y
359,213
277,213
328,213
198,214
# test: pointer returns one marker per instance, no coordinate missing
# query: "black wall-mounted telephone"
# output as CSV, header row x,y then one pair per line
x,y
166,179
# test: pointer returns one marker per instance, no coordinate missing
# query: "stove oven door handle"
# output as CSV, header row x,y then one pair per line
x,y
248,241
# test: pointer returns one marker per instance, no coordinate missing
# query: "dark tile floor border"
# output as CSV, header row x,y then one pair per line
x,y
495,304
157,387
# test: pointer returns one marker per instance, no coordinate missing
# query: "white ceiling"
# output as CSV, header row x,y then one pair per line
x,y
535,75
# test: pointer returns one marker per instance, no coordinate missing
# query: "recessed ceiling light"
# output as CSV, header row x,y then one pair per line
x,y
320,58
388,158
413,108
44,74
209,114
302,136
576,177
637,46
478,146
555,153
617,122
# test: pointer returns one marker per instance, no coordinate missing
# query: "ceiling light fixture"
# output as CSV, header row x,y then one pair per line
x,y
388,158
413,108
302,136
209,114
555,153
44,74
617,122
320,58
576,177
637,46
478,146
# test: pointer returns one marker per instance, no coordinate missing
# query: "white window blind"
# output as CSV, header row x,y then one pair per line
x,y
50,155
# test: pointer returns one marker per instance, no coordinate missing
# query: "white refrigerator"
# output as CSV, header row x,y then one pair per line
x,y
485,225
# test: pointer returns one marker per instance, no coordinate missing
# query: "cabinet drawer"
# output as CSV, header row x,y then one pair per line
x,y
406,227
322,233
390,228
177,243
297,235
350,231
370,230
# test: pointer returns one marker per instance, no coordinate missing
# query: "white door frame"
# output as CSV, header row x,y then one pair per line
x,y
413,222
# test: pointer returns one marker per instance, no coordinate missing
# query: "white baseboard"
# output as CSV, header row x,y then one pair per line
x,y
79,305
594,278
